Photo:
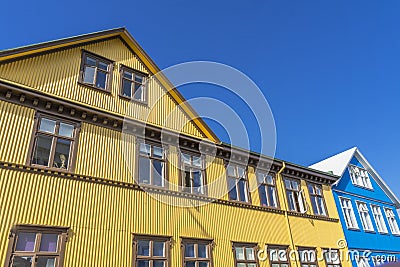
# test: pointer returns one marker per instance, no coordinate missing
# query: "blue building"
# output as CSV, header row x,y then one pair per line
x,y
367,209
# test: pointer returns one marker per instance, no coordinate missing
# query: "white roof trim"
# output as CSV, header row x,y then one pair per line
x,y
338,163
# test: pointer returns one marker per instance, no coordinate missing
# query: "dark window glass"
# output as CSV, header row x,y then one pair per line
x,y
95,71
267,189
133,85
294,195
197,253
237,183
317,199
151,164
245,255
193,175
151,251
53,143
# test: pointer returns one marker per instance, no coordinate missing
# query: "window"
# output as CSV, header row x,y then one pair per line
x,y
267,189
34,246
294,195
245,255
308,257
394,227
96,71
332,258
196,253
133,84
364,216
362,262
278,256
317,199
151,251
380,222
348,213
152,167
193,174
237,183
360,177
53,144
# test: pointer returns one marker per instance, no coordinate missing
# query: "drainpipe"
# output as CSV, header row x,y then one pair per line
x,y
286,205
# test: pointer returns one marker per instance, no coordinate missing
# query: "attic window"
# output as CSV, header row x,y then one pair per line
x,y
96,71
360,177
133,84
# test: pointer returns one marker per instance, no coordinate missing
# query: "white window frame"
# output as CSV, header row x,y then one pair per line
x,y
360,177
378,217
363,212
351,214
391,218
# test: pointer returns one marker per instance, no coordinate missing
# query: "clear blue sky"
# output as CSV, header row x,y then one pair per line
x,y
329,69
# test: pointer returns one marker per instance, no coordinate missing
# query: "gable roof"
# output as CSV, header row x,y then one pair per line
x,y
338,163
30,50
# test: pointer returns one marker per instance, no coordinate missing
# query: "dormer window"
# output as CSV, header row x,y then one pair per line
x,y
96,71
360,177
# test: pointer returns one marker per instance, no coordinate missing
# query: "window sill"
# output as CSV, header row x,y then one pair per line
x,y
370,231
312,216
94,87
144,103
50,169
354,229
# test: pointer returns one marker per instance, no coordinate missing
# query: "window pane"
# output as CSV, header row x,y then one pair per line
x,y
197,181
143,248
138,93
90,61
190,264
187,177
249,254
42,149
288,185
241,265
232,189
103,66
158,173
241,172
239,253
66,130
273,255
143,263
22,261
189,250
186,158
101,79
260,177
62,153
158,152
158,263
126,88
26,242
47,125
203,264
88,75
321,204
202,249
242,190
128,75
145,149
144,170
46,262
231,171
158,248
197,161
251,265
263,196
49,242
269,179
138,79
272,196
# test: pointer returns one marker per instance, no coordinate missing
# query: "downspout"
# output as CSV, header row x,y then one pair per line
x,y
286,212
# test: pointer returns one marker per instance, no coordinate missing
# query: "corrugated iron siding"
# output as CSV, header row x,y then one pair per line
x,y
103,217
16,124
57,74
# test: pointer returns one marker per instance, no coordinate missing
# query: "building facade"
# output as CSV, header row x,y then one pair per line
x,y
100,165
367,209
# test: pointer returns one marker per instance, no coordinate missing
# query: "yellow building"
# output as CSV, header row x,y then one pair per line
x,y
102,166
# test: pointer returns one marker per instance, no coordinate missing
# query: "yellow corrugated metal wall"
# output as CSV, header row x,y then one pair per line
x,y
57,74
